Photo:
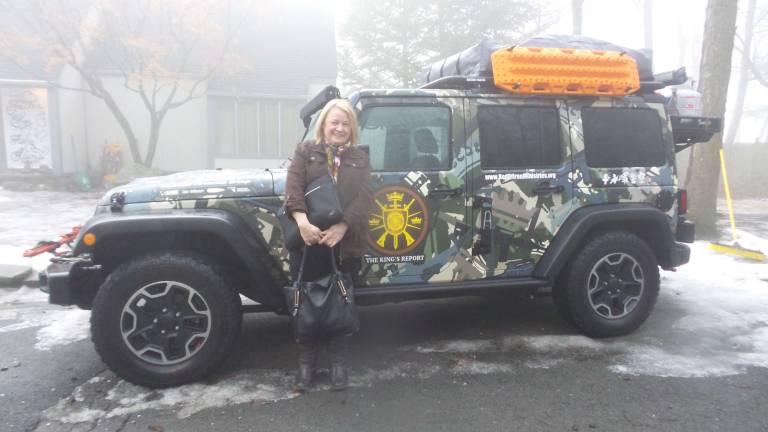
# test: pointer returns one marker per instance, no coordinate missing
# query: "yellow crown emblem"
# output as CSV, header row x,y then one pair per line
x,y
395,196
416,220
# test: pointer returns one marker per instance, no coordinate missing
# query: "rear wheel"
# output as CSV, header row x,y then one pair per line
x,y
611,286
165,319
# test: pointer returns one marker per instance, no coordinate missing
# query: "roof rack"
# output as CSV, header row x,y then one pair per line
x,y
457,82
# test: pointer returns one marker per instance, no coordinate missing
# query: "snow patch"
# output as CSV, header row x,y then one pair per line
x,y
644,360
65,327
125,398
559,343
474,367
398,370
22,295
456,346
543,363
59,326
82,416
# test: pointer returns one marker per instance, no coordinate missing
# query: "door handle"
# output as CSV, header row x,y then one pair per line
x,y
445,193
547,189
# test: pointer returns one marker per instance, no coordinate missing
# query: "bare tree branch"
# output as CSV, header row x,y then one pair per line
x,y
756,73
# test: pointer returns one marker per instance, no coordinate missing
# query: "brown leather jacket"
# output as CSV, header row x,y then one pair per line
x,y
353,185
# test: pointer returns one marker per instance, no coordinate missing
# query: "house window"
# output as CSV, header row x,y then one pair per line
x,y
514,137
255,127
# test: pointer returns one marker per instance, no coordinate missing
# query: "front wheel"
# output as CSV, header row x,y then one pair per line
x,y
611,286
165,319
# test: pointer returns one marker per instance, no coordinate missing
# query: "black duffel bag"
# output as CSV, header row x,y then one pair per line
x,y
324,307
324,210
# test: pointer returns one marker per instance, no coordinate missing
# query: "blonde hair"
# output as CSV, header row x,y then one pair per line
x,y
344,106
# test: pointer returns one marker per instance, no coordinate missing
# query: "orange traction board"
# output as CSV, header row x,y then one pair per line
x,y
565,71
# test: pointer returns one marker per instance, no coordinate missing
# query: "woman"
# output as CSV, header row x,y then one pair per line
x,y
334,151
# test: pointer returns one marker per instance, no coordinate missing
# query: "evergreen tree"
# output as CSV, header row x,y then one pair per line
x,y
389,43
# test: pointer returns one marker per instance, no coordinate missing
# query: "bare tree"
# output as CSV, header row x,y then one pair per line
x,y
648,23
577,7
745,75
165,51
715,71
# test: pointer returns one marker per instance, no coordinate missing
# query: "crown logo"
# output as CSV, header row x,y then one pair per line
x,y
395,196
416,220
373,221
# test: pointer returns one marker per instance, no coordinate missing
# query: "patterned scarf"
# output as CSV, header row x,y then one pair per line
x,y
334,158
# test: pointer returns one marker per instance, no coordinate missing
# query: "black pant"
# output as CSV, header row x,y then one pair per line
x,y
318,263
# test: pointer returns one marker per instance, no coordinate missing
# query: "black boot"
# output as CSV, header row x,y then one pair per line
x,y
307,364
338,348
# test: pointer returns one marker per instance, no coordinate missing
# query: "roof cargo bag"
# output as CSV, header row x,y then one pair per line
x,y
474,61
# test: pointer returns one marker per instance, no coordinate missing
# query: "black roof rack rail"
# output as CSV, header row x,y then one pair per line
x,y
457,82
664,79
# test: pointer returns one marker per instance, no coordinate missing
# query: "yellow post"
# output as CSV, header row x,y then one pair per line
x,y
727,195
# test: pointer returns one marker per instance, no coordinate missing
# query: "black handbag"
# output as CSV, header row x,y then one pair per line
x,y
291,235
324,210
323,202
324,307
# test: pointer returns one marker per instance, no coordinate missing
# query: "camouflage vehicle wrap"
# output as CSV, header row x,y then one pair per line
x,y
455,227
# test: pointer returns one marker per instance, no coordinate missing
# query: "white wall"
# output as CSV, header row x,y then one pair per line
x,y
73,138
183,136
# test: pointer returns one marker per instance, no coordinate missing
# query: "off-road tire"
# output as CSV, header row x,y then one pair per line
x,y
211,289
580,308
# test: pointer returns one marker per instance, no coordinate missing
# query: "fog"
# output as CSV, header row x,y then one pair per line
x,y
279,54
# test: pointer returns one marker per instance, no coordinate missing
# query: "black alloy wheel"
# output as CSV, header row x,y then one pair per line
x,y
165,319
610,287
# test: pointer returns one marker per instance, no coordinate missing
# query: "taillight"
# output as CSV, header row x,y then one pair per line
x,y
682,201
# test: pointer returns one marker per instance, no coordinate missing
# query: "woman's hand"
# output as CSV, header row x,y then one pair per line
x,y
309,233
333,235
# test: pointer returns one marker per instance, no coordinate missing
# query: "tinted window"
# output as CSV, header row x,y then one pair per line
x,y
405,138
519,137
622,137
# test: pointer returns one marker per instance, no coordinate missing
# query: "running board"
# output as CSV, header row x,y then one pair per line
x,y
392,293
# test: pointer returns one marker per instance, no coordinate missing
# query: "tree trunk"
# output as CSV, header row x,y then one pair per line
x,y
154,136
715,71
133,142
744,76
576,7
648,23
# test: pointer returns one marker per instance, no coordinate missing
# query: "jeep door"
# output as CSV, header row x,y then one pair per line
x,y
417,222
520,185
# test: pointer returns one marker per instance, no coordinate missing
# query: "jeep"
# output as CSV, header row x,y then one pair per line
x,y
476,191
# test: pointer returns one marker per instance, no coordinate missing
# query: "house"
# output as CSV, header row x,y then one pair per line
x,y
244,120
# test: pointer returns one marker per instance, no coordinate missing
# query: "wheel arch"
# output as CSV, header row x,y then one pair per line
x,y
219,236
648,223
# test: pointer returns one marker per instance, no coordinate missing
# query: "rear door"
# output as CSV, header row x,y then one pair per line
x,y
521,188
418,218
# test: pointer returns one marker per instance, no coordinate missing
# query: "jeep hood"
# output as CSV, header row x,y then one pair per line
x,y
192,185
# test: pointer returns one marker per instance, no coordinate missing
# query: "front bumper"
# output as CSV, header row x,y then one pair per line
x,y
54,280
70,282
